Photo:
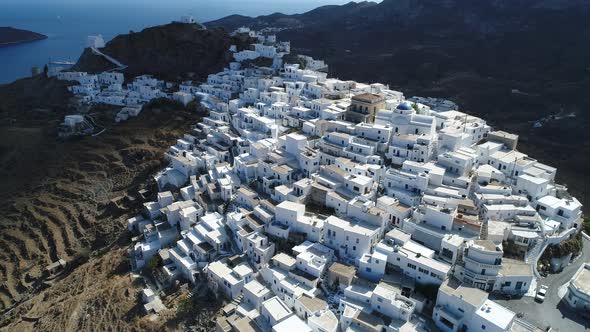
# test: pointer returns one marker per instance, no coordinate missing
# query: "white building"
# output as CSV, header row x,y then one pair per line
x,y
255,294
228,280
578,290
350,238
187,19
313,258
95,42
417,262
460,308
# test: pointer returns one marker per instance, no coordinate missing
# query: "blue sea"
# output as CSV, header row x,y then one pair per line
x,y
67,23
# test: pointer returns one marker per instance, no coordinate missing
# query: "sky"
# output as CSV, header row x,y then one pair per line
x,y
67,23
221,7
202,10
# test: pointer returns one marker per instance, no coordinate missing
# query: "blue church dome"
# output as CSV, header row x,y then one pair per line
x,y
404,107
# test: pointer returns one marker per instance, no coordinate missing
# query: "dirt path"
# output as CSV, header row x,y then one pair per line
x,y
95,297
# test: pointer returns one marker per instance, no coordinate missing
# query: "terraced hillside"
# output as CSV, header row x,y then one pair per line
x,y
100,296
55,196
91,298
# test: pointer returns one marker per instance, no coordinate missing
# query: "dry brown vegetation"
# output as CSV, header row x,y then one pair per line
x,y
55,203
92,298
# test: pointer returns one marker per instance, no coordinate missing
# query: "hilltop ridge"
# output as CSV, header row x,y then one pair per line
x,y
168,51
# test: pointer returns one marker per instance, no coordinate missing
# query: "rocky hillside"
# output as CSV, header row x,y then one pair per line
x,y
55,195
9,36
174,51
512,62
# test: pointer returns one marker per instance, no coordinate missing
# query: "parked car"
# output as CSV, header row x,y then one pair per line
x,y
541,293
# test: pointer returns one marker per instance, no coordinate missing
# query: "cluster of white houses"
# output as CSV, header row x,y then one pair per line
x,y
110,88
319,204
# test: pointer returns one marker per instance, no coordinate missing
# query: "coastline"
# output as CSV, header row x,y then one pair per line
x,y
23,41
13,36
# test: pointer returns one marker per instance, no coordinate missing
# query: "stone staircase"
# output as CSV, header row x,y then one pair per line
x,y
112,60
534,252
324,277
237,300
525,326
483,231
330,296
230,205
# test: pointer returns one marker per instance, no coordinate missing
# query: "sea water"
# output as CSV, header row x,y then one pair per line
x,y
67,23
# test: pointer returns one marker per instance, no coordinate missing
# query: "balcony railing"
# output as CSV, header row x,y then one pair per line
x,y
482,265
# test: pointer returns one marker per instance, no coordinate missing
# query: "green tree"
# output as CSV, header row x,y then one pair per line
x,y
185,307
154,263
586,226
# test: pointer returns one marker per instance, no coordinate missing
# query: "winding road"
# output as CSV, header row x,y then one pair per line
x,y
553,312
